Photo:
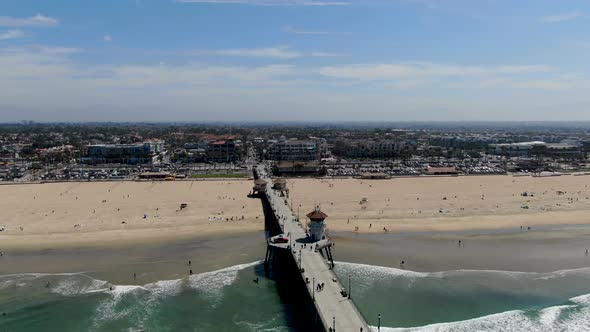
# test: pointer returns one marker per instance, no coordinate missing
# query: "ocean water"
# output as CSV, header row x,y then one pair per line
x,y
229,300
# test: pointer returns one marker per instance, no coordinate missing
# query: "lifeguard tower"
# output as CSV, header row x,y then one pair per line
x,y
317,224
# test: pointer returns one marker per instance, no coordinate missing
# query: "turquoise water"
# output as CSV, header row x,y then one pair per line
x,y
229,300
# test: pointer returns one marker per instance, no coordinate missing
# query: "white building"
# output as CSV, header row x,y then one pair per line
x,y
292,150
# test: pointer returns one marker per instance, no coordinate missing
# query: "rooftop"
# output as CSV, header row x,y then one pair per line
x,y
317,214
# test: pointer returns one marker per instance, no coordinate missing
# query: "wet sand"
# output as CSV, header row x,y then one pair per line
x,y
150,262
547,249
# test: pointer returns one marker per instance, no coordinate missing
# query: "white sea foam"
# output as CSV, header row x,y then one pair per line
x,y
121,290
6,284
216,280
375,270
79,284
372,271
571,318
566,317
550,316
150,294
165,287
582,299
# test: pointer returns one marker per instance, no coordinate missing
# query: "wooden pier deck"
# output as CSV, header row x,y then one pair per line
x,y
337,312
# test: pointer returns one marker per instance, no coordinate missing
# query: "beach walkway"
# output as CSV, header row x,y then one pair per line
x,y
336,312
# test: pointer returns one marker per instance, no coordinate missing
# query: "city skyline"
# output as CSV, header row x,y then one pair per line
x,y
271,60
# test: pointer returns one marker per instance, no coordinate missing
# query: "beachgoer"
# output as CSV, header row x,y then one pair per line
x,y
190,272
189,263
134,276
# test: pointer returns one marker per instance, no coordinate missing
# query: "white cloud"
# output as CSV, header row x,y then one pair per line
x,y
422,70
298,31
327,54
107,39
34,21
188,75
48,84
543,84
50,50
11,34
272,2
274,52
281,52
42,62
562,17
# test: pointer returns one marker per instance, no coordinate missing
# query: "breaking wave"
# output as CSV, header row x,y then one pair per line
x,y
570,315
121,301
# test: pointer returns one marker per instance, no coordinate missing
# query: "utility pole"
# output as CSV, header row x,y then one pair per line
x,y
379,323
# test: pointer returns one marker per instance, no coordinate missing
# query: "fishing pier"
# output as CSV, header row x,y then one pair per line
x,y
311,250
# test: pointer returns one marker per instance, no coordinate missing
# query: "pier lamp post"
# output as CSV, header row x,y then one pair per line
x,y
349,286
313,289
379,323
334,323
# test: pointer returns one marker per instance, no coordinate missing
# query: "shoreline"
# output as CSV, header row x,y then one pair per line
x,y
154,260
545,249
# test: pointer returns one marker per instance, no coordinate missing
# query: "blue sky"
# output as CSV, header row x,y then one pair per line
x,y
294,60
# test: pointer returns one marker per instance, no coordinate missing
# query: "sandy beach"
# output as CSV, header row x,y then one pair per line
x,y
108,213
445,203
